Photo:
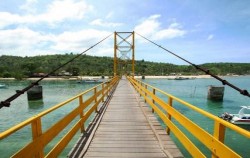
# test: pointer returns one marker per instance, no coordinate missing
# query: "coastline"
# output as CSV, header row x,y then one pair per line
x,y
106,77
172,77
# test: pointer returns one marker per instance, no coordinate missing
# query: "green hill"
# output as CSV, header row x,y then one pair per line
x,y
20,67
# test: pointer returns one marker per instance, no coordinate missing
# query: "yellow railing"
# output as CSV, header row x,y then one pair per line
x,y
166,111
40,139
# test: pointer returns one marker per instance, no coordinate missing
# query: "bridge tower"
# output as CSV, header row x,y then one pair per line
x,y
124,53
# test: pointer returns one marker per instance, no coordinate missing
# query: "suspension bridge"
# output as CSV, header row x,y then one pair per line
x,y
124,116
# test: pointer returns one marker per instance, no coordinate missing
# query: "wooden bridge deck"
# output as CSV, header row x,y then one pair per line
x,y
127,131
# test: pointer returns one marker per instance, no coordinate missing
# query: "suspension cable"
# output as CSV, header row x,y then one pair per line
x,y
224,82
7,102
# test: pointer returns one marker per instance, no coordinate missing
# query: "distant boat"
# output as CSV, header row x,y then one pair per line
x,y
91,80
182,78
2,86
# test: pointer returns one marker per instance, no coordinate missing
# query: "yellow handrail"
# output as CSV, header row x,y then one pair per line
x,y
40,139
215,142
209,115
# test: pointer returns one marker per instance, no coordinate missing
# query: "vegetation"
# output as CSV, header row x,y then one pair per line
x,y
21,67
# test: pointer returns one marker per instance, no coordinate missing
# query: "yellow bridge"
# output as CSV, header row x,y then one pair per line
x,y
124,114
124,125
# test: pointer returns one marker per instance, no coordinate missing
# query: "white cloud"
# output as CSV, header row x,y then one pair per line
x,y
22,41
100,22
29,6
21,37
110,14
78,41
175,25
25,42
8,19
210,37
66,9
169,33
151,28
56,12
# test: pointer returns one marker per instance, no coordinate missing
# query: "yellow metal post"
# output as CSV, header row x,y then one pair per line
x,y
219,133
133,54
170,103
140,89
103,92
153,100
37,132
108,84
95,94
81,113
115,55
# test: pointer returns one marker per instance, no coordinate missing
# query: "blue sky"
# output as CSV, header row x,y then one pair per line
x,y
200,31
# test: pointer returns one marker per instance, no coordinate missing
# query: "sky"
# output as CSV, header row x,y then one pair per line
x,y
200,31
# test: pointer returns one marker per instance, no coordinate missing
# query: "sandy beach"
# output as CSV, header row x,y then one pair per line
x,y
60,78
106,77
171,77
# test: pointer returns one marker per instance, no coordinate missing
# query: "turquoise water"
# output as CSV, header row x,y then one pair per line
x,y
195,92
54,92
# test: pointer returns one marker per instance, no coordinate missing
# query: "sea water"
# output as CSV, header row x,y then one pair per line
x,y
54,92
195,92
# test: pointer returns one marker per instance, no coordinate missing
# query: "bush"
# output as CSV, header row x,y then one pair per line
x,y
18,76
7,75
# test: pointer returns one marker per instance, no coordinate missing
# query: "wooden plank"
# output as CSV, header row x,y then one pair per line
x,y
125,138
125,150
136,135
124,131
128,132
127,155
111,123
124,145
124,127
125,142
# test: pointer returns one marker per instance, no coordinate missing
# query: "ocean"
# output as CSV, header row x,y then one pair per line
x,y
54,92
195,92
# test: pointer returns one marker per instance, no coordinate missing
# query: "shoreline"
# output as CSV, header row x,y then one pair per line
x,y
174,76
106,77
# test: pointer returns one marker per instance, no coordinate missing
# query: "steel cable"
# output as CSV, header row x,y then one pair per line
x,y
224,82
6,103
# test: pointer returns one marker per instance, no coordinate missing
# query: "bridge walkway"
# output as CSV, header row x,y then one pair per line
x,y
127,131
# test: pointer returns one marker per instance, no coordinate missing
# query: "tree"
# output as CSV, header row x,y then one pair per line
x,y
91,65
7,74
75,71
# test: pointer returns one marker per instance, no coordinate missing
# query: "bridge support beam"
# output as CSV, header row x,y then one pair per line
x,y
124,53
